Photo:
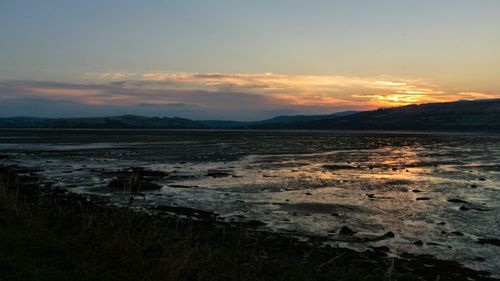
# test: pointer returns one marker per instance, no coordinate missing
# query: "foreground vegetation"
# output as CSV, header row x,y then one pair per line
x,y
56,238
44,241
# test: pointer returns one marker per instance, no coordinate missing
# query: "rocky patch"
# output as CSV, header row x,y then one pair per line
x,y
133,184
495,242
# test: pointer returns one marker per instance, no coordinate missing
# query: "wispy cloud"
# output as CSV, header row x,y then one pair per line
x,y
234,94
366,92
109,75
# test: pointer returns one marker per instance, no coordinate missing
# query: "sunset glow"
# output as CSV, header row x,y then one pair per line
x,y
249,64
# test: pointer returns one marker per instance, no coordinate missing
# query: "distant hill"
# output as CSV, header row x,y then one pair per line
x,y
284,119
222,124
451,116
118,122
303,118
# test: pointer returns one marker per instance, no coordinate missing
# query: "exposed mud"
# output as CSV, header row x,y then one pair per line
x,y
425,189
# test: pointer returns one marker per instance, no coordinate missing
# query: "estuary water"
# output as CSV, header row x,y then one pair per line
x,y
438,193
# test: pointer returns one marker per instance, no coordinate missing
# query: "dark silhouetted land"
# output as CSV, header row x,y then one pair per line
x,y
480,115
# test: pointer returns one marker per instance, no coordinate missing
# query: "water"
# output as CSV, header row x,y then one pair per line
x,y
306,183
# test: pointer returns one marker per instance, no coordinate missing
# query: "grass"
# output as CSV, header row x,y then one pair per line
x,y
46,240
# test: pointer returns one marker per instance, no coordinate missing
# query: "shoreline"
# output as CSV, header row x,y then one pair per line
x,y
284,131
309,257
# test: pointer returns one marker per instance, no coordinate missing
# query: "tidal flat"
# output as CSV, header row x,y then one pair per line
x,y
411,193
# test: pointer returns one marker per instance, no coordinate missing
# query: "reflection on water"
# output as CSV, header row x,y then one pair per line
x,y
442,190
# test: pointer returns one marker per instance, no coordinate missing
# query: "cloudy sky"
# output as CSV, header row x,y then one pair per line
x,y
243,60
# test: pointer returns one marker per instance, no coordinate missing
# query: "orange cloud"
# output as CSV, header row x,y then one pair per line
x,y
57,92
262,91
371,92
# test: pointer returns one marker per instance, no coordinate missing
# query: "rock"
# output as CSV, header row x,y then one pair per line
x,y
389,234
416,191
139,173
481,179
495,242
406,255
144,173
133,185
334,214
371,195
457,233
418,243
217,174
473,186
338,167
423,199
442,223
384,249
182,186
456,200
465,208
347,231
308,193
255,223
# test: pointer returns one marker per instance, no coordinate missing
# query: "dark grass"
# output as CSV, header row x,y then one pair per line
x,y
45,240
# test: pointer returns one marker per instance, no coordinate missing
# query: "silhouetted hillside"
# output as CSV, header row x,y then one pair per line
x,y
451,116
222,124
118,122
278,120
304,118
461,115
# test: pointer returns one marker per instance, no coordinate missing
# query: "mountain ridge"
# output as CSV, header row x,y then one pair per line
x,y
449,116
274,120
112,122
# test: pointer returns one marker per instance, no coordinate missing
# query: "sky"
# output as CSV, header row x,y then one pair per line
x,y
243,60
